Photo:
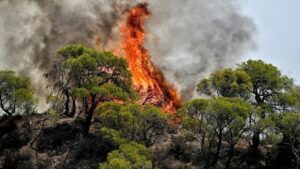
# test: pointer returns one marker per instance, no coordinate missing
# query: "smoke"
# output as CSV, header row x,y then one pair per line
x,y
187,39
191,39
32,30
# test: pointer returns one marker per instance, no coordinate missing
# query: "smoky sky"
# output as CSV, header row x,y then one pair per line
x,y
187,39
191,39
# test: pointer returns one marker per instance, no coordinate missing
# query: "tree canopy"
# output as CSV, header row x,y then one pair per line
x,y
16,94
128,156
226,83
87,77
213,121
144,124
252,101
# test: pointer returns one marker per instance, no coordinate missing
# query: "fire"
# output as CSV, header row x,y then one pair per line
x,y
147,78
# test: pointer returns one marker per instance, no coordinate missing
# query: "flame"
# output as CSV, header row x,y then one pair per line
x,y
146,76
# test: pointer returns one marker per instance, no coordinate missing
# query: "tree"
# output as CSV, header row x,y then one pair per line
x,y
216,120
272,93
128,156
259,83
226,83
16,94
267,82
291,130
144,124
87,77
194,119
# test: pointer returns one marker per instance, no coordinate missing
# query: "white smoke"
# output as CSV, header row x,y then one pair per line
x,y
188,39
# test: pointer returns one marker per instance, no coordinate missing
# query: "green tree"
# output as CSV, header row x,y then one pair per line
x,y
226,83
268,83
273,93
291,130
259,83
194,120
128,156
216,120
144,124
16,94
87,77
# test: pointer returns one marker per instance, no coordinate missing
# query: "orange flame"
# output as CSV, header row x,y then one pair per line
x,y
146,76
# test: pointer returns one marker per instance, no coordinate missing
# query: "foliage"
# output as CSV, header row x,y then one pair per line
x,y
226,83
16,94
262,85
87,77
291,130
273,94
265,97
144,124
115,137
128,156
269,85
213,121
291,125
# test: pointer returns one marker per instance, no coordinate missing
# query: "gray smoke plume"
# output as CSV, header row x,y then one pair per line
x,y
191,39
32,30
187,39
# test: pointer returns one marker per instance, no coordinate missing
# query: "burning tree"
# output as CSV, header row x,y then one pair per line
x,y
83,78
87,77
147,78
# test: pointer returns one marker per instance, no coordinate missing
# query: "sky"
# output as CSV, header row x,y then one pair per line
x,y
278,33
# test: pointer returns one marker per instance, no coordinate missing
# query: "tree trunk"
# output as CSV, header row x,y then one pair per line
x,y
67,110
87,123
89,116
255,137
255,140
220,137
10,114
219,146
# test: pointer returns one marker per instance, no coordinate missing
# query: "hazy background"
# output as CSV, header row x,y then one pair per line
x,y
278,33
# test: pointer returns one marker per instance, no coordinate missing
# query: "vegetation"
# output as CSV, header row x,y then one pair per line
x,y
128,156
216,121
87,77
143,124
16,94
248,118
